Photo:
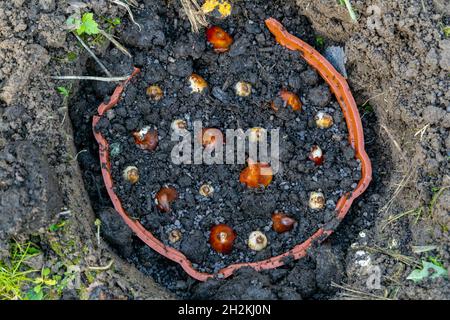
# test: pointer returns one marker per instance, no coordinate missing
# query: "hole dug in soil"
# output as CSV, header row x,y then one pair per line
x,y
255,58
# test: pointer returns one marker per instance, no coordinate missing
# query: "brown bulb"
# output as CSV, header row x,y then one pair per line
x,y
291,99
316,155
256,174
219,38
197,83
146,138
282,222
222,238
164,198
155,93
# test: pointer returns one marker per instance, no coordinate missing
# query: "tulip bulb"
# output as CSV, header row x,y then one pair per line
x,y
282,222
291,99
222,238
131,174
257,241
197,83
256,175
164,198
146,138
175,236
316,155
219,38
316,200
323,120
256,134
243,89
155,93
206,190
178,125
211,137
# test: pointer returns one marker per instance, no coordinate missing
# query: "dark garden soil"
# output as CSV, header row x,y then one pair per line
x,y
398,60
254,57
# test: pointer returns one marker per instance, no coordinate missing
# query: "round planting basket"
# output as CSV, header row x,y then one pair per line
x,y
341,90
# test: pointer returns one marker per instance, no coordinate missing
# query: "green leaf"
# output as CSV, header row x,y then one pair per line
x,y
63,91
33,251
45,272
50,282
33,295
116,21
56,226
446,30
71,56
37,289
88,25
421,274
320,41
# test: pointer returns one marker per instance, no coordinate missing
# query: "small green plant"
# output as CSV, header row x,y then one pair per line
x,y
113,22
368,108
430,269
446,31
437,191
85,25
320,41
41,283
14,275
349,8
98,225
57,226
63,91
71,56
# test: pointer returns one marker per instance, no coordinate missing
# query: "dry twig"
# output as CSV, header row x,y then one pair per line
x,y
195,14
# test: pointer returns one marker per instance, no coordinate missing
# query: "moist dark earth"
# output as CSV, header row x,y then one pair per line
x,y
398,59
254,57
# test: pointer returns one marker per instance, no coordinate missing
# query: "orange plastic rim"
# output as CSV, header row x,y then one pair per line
x,y
341,90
